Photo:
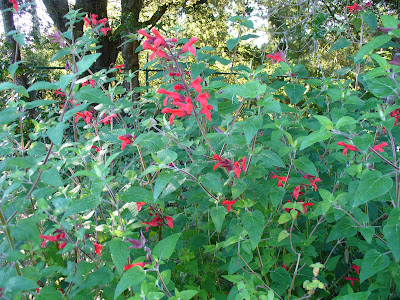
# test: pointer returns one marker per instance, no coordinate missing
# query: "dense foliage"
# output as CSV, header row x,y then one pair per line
x,y
256,185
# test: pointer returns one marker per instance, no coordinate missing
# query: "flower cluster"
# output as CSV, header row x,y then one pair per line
x,y
126,139
92,21
229,204
108,119
86,115
278,56
353,279
60,237
355,8
90,81
395,114
237,166
347,147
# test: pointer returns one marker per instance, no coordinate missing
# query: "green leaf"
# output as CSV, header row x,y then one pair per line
x,y
372,185
343,229
324,121
231,43
315,137
119,253
283,218
56,133
272,158
381,87
212,181
363,142
92,95
367,233
167,156
249,36
18,88
340,44
26,230
251,126
391,231
162,180
86,62
43,85
9,114
376,42
218,216
254,223
283,235
294,92
389,21
164,248
150,141
373,263
19,283
38,103
305,165
19,38
370,19
60,53
52,177
137,194
83,204
345,121
133,277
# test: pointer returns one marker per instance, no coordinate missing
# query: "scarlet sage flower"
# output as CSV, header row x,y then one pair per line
x,y
170,221
104,30
228,164
179,87
351,279
379,147
86,115
97,149
347,147
90,81
109,119
119,67
139,205
126,140
356,269
296,192
354,8
93,18
312,181
102,21
229,204
305,206
55,238
97,248
15,4
87,21
59,93
278,56
139,264
189,46
281,179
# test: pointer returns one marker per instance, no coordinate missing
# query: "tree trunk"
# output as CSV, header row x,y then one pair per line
x,y
57,9
13,50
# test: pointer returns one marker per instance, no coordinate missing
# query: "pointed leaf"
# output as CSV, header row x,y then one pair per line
x,y
218,216
373,263
254,225
372,185
164,248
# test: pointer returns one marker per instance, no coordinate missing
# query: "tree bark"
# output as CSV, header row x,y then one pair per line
x,y
57,9
12,46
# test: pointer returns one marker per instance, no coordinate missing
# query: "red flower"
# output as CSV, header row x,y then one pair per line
x,y
296,192
87,21
157,221
354,8
229,203
102,21
351,279
55,238
86,115
139,205
108,119
305,206
347,147
281,179
156,43
90,81
284,266
206,111
119,67
236,166
356,269
278,56
179,87
94,17
184,103
379,147
189,46
58,92
170,221
62,245
97,248
139,264
312,181
104,30
97,149
196,84
15,4
126,140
